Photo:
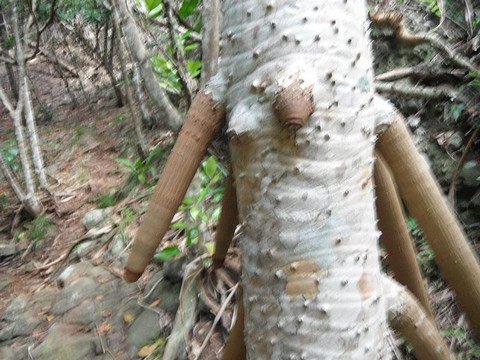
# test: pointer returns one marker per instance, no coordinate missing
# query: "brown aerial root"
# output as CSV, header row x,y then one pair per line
x,y
395,236
394,20
227,223
407,316
293,105
425,201
203,121
235,347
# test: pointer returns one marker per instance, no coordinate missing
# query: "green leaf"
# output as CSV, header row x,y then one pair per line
x,y
167,254
153,4
179,225
210,247
126,163
156,11
194,67
210,166
192,236
188,7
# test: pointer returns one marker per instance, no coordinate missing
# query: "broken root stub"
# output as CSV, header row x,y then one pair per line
x,y
293,105
130,276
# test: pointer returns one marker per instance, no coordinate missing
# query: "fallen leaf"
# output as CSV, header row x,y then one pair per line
x,y
50,317
128,317
155,303
148,349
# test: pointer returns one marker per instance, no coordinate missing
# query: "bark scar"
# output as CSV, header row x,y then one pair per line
x,y
303,278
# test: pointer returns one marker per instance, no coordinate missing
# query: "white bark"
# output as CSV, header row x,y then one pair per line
x,y
211,38
34,139
142,57
311,272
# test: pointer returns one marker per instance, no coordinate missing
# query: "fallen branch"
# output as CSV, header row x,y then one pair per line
x,y
395,21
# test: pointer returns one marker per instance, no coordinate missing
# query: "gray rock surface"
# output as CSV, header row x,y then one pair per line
x,y
97,218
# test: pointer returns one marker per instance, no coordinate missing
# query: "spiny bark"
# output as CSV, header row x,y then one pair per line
x,y
424,199
305,201
395,236
203,121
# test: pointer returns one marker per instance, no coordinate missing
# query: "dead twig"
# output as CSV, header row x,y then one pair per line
x,y
217,319
395,21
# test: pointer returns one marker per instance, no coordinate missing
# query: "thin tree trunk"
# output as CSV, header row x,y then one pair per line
x,y
34,139
142,144
211,38
142,58
137,81
425,200
108,64
12,181
395,237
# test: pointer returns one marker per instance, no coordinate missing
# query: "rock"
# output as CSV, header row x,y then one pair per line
x,y
23,325
65,342
7,249
97,218
414,122
118,245
456,140
7,354
144,329
83,314
74,294
471,173
159,288
5,281
74,272
16,308
84,248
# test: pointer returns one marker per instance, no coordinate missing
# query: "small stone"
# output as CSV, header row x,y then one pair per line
x,y
471,173
7,249
65,342
97,218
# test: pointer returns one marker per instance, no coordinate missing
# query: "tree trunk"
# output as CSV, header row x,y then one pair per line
x,y
302,134
34,139
142,58
137,122
211,38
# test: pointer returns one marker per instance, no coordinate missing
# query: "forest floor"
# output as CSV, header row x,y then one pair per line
x,y
61,292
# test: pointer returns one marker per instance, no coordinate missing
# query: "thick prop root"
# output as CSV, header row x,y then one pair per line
x,y
227,223
408,317
203,121
235,347
395,236
423,197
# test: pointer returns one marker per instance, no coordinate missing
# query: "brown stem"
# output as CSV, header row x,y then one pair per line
x,y
408,317
395,236
227,223
235,347
423,197
203,121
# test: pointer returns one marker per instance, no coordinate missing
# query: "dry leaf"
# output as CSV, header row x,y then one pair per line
x,y
105,327
50,317
128,317
147,350
155,303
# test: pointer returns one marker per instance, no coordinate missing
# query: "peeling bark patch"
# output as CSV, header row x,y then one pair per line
x,y
367,286
302,278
